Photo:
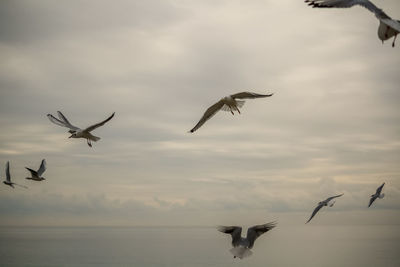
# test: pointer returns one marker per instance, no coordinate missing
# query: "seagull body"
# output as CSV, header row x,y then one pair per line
x,y
37,175
241,246
388,27
228,103
326,202
377,194
8,177
77,132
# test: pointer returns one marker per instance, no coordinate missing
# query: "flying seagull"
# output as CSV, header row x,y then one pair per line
x,y
377,194
323,203
228,103
241,246
8,177
388,27
77,132
37,175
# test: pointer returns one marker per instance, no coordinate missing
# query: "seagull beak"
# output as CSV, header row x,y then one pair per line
x,y
71,136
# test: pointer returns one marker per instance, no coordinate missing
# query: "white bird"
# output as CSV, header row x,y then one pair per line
x,y
241,246
8,177
228,103
323,203
37,175
388,27
377,194
77,132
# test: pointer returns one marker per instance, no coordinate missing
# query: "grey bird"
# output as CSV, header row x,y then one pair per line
x,y
241,246
377,194
37,175
388,27
326,202
228,103
77,132
8,177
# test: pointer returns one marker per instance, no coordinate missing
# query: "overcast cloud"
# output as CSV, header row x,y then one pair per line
x,y
332,126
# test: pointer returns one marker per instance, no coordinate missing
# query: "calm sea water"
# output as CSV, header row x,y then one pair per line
x,y
308,245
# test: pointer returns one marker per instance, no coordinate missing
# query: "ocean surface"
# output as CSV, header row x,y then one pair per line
x,y
308,245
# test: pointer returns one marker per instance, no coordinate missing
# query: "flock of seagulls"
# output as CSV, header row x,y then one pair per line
x,y
241,246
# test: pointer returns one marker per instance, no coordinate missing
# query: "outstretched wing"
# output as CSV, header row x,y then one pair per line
x,y
8,176
64,119
61,122
234,231
91,128
33,172
379,190
244,95
349,3
42,168
211,111
254,232
372,200
315,211
330,198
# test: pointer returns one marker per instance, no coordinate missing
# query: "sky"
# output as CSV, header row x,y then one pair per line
x,y
332,125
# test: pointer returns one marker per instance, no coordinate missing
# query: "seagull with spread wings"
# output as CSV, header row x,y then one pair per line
x,y
37,175
8,177
326,202
77,132
377,194
388,27
228,103
241,246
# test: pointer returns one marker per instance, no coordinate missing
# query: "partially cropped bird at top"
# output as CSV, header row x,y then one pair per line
x,y
388,27
325,202
242,246
8,177
378,194
37,175
229,103
77,132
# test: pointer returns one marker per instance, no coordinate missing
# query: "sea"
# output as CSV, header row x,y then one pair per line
x,y
308,245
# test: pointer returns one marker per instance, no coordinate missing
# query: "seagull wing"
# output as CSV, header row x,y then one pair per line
x,y
33,172
42,168
379,190
254,232
248,95
330,198
234,231
349,3
394,24
91,128
8,176
64,119
61,123
211,111
372,200
315,211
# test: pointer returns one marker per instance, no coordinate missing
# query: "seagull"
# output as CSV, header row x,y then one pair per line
x,y
376,195
323,203
388,27
77,132
228,103
37,175
8,177
241,246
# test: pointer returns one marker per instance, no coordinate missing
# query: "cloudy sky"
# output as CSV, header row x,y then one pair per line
x,y
332,126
